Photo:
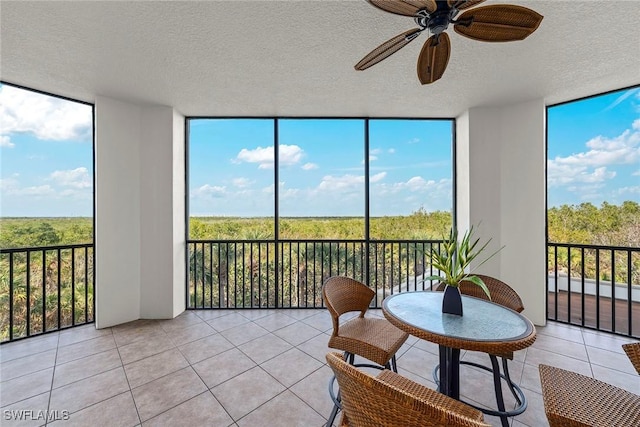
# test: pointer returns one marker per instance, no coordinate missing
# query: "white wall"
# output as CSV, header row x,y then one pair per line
x,y
478,193
463,184
179,244
161,184
523,193
117,246
140,241
500,164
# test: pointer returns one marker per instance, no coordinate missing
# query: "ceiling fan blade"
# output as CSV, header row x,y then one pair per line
x,y
405,7
463,4
387,49
498,23
433,58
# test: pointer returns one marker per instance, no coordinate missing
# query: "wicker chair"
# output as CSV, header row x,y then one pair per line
x,y
502,294
575,400
391,400
633,351
374,339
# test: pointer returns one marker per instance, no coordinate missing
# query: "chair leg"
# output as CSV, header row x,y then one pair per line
x,y
336,403
347,357
498,389
334,411
350,358
505,368
394,365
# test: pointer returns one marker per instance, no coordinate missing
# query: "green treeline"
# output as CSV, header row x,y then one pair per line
x,y
420,225
608,225
36,232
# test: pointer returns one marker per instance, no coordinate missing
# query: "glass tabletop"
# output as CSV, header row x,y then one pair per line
x,y
482,320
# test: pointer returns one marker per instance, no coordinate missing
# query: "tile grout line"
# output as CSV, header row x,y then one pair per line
x,y
270,334
126,377
286,388
53,376
203,382
588,357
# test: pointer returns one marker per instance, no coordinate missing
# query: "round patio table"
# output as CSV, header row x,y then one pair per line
x,y
485,326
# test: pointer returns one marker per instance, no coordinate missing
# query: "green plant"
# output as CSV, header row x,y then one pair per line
x,y
453,259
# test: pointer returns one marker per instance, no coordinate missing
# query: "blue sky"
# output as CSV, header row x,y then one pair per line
x,y
46,150
46,160
321,167
594,150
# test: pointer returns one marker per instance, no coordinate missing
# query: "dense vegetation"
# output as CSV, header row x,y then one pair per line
x,y
67,274
224,274
38,232
420,225
609,225
586,224
614,225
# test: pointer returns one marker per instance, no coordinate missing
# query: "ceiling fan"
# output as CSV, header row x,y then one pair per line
x,y
493,23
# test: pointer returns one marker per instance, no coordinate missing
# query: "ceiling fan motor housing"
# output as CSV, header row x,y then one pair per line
x,y
439,20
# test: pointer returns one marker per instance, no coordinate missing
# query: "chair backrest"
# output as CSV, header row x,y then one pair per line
x,y
501,293
633,351
396,402
344,294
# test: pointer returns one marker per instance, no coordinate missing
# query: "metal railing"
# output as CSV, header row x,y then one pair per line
x,y
595,287
45,289
290,273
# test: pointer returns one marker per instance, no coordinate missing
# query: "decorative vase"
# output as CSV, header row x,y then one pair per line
x,y
452,300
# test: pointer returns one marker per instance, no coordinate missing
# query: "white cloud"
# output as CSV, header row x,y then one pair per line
x,y
9,185
591,166
636,173
559,175
290,193
633,190
270,189
46,117
309,166
263,156
209,191
414,140
288,155
5,141
416,184
75,178
377,177
35,191
338,183
241,182
588,189
375,153
74,185
622,97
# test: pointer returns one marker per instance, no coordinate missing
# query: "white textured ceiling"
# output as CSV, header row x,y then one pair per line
x,y
296,58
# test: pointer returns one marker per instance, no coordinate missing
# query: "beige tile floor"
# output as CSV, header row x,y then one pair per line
x,y
246,368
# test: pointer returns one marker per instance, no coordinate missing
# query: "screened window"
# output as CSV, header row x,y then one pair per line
x,y
327,187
